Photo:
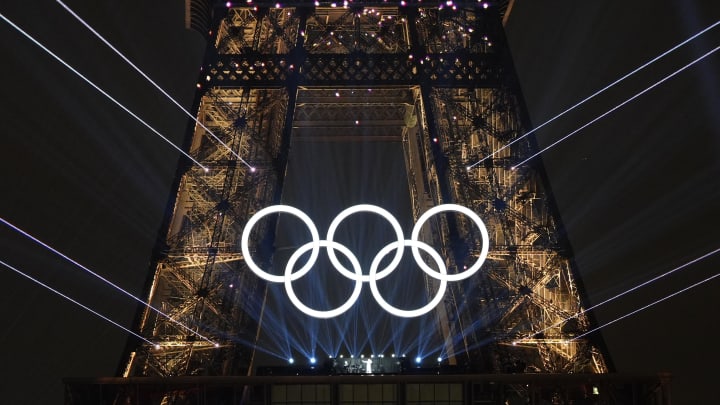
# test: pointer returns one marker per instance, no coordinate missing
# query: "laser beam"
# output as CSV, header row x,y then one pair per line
x,y
103,92
106,281
647,306
610,111
38,282
168,96
678,268
602,90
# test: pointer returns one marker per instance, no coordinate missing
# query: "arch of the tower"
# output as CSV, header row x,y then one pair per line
x,y
431,89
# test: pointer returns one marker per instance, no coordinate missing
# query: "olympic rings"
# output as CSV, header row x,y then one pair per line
x,y
430,305
271,210
483,231
366,208
356,274
331,245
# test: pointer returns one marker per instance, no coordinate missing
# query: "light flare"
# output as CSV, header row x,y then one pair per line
x,y
588,98
157,86
608,112
96,87
40,283
647,306
106,281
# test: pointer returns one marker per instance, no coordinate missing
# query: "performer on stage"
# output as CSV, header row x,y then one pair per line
x,y
368,366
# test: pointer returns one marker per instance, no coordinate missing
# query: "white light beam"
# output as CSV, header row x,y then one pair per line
x,y
603,115
678,268
646,306
103,92
75,302
106,281
588,98
137,69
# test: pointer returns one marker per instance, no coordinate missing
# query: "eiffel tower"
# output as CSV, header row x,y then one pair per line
x,y
421,88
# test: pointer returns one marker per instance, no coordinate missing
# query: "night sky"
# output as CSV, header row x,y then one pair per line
x,y
638,190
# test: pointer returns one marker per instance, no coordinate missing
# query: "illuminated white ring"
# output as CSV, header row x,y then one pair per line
x,y
271,210
376,210
483,253
331,246
413,312
288,277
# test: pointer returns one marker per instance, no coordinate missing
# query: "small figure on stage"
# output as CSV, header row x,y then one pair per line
x,y
368,366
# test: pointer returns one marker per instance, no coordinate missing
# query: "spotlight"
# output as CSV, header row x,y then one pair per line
x,y
312,360
418,359
439,359
291,360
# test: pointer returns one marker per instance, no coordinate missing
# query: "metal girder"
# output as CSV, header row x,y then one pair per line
x,y
435,78
200,279
272,70
528,290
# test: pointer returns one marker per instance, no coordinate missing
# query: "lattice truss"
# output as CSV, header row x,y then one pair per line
x,y
437,84
454,31
352,114
200,278
520,301
377,30
267,46
247,30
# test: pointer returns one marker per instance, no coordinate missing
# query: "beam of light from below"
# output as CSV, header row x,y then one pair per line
x,y
40,283
603,115
106,281
157,86
101,91
682,266
586,99
647,306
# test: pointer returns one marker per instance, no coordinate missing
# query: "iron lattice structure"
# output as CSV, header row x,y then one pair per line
x,y
436,76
